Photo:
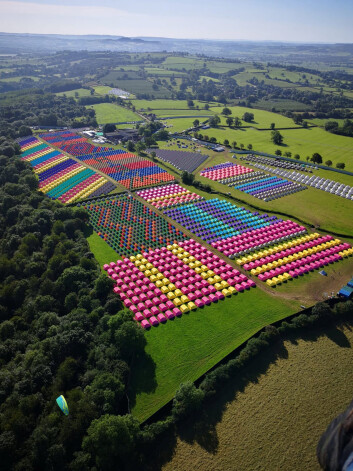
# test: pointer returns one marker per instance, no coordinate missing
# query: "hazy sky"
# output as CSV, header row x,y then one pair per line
x,y
287,20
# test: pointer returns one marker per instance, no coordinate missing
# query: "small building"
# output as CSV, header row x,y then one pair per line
x,y
123,135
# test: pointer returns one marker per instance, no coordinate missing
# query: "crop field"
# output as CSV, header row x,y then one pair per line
x,y
187,347
111,113
253,419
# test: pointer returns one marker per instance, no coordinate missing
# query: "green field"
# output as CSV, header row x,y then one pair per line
x,y
102,90
111,113
262,119
185,348
137,86
72,93
102,251
297,141
168,104
272,417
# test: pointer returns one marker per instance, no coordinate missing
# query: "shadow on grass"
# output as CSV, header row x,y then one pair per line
x,y
143,377
202,429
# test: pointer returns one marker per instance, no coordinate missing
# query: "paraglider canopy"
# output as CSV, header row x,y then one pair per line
x,y
61,401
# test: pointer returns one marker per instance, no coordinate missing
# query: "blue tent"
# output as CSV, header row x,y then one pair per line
x,y
323,273
350,283
346,292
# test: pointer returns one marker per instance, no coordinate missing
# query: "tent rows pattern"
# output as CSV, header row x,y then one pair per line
x,y
278,163
170,281
258,184
127,169
182,160
129,226
168,196
215,219
59,176
224,170
324,184
294,258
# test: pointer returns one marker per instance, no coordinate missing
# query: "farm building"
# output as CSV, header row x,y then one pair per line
x,y
123,135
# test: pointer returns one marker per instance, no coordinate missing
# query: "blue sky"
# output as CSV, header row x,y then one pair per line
x,y
285,20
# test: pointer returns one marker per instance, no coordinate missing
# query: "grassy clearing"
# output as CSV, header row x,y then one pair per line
x,y
280,402
111,113
101,250
186,348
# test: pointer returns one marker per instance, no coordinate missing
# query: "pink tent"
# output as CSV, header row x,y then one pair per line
x,y
147,313
219,295
169,304
161,318
177,312
163,307
145,324
206,300
154,310
154,321
169,314
138,317
199,303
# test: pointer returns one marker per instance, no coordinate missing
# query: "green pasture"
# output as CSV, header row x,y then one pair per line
x,y
262,119
185,348
72,93
111,113
160,104
180,63
102,89
185,113
301,141
281,104
18,79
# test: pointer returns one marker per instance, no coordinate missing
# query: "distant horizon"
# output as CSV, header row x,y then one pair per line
x,y
180,39
303,21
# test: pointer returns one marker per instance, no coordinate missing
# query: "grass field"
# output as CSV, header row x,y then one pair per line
x,y
72,93
160,104
262,119
298,141
186,348
102,251
102,89
282,105
273,417
138,86
111,113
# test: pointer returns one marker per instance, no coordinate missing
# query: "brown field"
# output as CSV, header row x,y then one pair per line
x,y
272,418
